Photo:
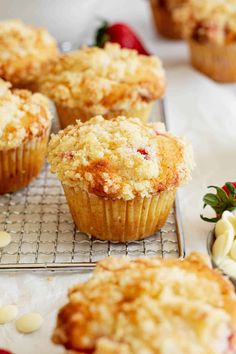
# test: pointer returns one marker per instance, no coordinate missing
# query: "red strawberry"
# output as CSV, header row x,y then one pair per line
x,y
3,351
144,153
226,189
119,33
224,199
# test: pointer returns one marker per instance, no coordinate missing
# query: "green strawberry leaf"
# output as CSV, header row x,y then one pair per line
x,y
209,219
220,201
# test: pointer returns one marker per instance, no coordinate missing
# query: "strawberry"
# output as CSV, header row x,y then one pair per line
x,y
3,351
119,33
224,199
144,153
226,189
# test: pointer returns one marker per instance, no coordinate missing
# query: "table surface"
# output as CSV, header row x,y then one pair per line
x,y
199,109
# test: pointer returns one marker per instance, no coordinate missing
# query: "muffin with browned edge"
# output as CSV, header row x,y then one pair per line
x,y
25,123
210,28
119,176
25,53
110,81
163,15
150,306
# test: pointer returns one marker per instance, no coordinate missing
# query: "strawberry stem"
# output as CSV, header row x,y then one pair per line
x,y
101,36
223,199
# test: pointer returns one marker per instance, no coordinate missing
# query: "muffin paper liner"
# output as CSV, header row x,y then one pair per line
x,y
216,61
69,115
117,219
20,165
165,24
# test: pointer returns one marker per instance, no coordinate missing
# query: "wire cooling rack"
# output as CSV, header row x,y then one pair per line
x,y
44,236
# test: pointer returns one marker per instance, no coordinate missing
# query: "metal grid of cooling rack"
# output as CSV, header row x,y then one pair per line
x,y
44,236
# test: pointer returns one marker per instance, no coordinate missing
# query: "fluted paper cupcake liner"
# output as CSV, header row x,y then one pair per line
x,y
20,165
165,24
119,220
69,115
216,61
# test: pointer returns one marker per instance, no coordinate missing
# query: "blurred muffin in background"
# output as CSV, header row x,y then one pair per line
x,y
110,81
163,15
25,123
120,175
210,28
25,52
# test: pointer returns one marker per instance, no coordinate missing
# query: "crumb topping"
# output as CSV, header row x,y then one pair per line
x,y
23,49
23,115
150,306
119,158
100,80
209,21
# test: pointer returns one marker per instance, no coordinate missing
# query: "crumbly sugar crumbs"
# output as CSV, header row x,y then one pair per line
x,y
23,115
119,158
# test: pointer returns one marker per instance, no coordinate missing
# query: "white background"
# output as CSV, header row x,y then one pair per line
x,y
198,108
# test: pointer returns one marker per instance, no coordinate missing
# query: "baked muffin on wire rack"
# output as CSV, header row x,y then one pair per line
x,y
108,81
120,176
25,122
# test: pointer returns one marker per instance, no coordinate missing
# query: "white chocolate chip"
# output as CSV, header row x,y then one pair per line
x,y
222,246
5,239
230,217
233,251
29,322
7,313
228,266
222,226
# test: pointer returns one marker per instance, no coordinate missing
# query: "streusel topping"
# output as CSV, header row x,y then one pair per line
x,y
119,158
23,115
103,79
22,49
150,306
211,20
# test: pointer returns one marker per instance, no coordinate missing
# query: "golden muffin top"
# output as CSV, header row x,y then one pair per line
x,y
23,48
150,306
209,20
23,115
119,158
99,80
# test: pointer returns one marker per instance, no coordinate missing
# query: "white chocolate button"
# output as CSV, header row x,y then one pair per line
x,y
29,322
7,313
222,246
5,239
222,226
228,266
233,251
231,218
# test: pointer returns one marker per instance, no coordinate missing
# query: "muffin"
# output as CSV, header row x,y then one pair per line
x,y
119,176
25,123
106,81
210,27
163,15
25,52
150,306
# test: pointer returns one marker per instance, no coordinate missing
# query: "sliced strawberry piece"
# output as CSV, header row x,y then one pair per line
x,y
119,33
3,351
144,153
231,346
